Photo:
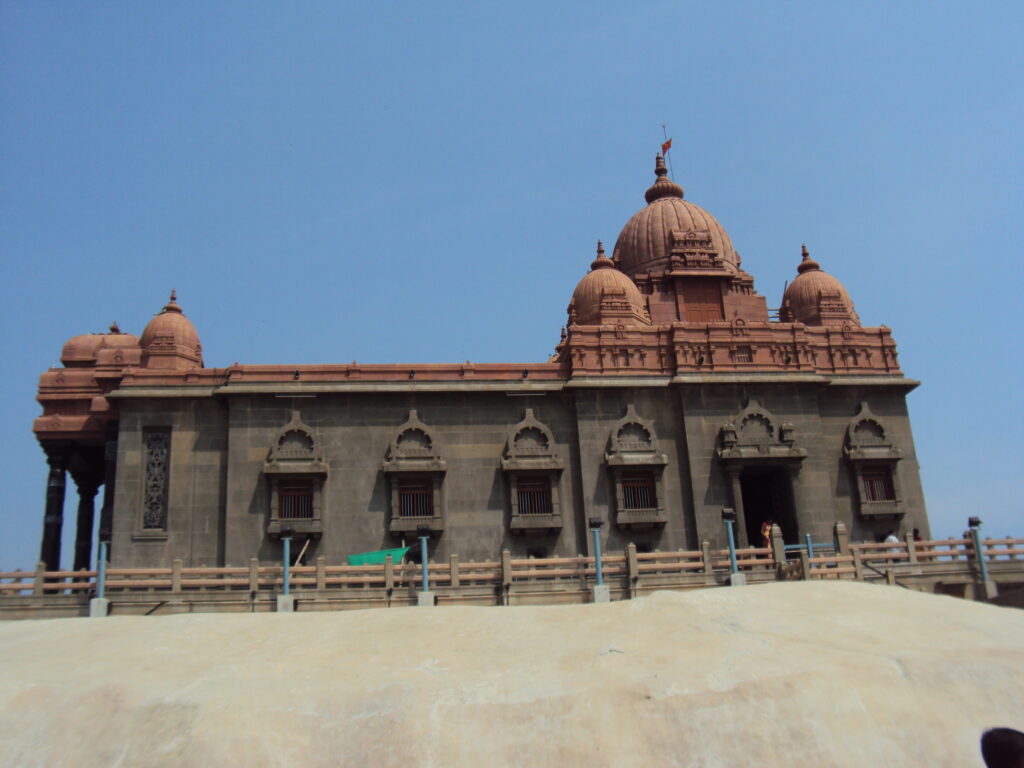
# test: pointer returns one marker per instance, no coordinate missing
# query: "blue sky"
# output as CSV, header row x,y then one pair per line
x,y
414,182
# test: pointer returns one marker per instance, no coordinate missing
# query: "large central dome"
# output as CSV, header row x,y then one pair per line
x,y
646,242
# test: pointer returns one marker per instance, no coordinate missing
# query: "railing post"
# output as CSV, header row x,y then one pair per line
x,y
990,590
858,565
389,573
979,552
805,566
632,569
778,546
453,570
597,556
40,580
285,600
99,605
321,576
842,538
286,564
425,563
254,576
101,570
729,517
911,548
176,565
506,575
705,553
810,545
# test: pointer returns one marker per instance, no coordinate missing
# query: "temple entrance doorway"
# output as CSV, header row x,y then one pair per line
x,y
768,495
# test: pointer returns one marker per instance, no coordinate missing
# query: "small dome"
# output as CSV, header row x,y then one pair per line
x,y
646,241
80,351
605,296
816,297
170,340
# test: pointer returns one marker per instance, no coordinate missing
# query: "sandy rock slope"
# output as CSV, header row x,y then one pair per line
x,y
792,674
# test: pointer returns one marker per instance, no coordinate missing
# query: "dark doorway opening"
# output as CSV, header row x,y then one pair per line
x,y
768,495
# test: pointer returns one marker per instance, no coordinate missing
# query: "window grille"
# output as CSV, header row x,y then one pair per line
x,y
878,485
638,491
743,354
295,501
416,498
534,495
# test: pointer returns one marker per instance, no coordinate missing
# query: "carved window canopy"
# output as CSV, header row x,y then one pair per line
x,y
636,467
296,471
874,461
533,469
755,437
415,471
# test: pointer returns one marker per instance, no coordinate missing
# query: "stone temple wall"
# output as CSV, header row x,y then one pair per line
x,y
218,498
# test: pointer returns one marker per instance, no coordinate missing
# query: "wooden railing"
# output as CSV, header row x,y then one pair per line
x,y
629,573
865,561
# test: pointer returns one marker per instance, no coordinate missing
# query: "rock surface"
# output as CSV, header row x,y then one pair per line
x,y
792,674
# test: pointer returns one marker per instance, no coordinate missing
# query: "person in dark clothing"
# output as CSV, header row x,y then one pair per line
x,y
1003,748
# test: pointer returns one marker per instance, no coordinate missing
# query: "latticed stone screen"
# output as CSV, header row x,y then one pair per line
x,y
158,459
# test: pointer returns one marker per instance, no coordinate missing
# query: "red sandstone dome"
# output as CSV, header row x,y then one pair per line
x,y
605,296
647,240
170,340
816,297
80,351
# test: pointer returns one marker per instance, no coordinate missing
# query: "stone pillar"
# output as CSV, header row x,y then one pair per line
x,y
109,475
53,519
87,487
733,473
804,522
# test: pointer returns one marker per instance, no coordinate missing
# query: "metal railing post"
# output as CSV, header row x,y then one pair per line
x,y
101,571
424,562
979,553
810,545
287,541
597,555
733,567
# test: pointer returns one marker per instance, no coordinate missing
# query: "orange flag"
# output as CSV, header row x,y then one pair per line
x,y
666,147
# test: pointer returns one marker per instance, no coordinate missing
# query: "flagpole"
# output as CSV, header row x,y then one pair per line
x,y
664,133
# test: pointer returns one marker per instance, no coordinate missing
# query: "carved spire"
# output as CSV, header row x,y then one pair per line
x,y
807,262
663,186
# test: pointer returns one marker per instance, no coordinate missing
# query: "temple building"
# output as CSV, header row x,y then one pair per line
x,y
673,392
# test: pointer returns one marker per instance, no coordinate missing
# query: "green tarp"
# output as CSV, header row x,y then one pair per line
x,y
377,558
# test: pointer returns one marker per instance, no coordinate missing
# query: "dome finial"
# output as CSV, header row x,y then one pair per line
x,y
663,186
602,261
806,262
172,305
114,328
